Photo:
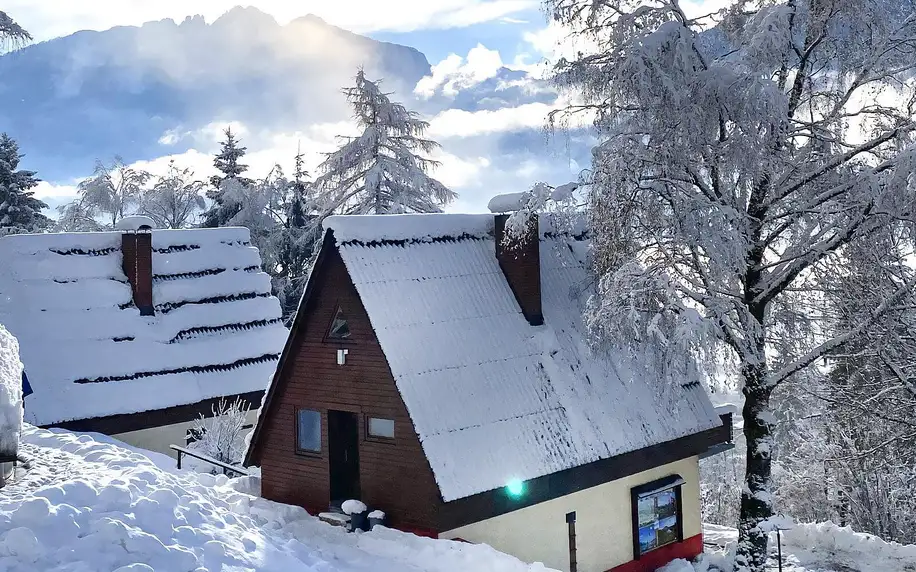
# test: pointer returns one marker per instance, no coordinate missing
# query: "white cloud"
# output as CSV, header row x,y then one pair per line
x,y
460,123
455,73
46,190
50,18
457,173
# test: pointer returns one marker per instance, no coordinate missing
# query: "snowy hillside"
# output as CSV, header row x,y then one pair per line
x,y
88,505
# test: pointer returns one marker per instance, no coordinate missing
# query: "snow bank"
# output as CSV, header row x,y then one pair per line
x,y
814,547
864,551
10,394
90,506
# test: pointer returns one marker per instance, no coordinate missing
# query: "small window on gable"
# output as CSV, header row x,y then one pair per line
x,y
381,428
340,329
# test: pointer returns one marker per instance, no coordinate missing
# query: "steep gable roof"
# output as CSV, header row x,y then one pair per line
x,y
89,353
493,398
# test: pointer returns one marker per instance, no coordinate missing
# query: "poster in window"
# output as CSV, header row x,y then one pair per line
x,y
657,520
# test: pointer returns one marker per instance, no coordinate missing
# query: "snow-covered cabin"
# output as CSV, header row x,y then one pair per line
x,y
444,378
136,333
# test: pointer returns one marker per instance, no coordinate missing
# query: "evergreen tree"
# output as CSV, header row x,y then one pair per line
x,y
381,171
297,240
228,163
20,211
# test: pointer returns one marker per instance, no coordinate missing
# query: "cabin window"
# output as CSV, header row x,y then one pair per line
x,y
340,329
308,431
381,428
657,514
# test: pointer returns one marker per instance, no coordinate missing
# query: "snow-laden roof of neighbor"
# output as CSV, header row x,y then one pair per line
x,y
90,504
89,353
493,398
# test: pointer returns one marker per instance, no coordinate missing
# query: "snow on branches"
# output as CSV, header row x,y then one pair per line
x,y
382,171
743,154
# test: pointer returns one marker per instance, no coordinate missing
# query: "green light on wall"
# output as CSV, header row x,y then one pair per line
x,y
515,488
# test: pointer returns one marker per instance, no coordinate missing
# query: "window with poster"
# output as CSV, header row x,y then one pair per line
x,y
657,514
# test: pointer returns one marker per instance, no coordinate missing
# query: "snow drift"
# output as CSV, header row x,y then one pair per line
x,y
10,398
90,505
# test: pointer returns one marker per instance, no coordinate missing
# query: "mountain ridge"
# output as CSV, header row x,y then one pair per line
x,y
93,94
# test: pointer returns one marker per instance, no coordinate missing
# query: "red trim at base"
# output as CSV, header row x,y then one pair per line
x,y
420,532
688,549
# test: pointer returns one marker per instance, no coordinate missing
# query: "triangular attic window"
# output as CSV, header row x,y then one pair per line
x,y
340,330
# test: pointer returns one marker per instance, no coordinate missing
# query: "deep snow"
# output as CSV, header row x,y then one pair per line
x,y
816,547
10,394
89,505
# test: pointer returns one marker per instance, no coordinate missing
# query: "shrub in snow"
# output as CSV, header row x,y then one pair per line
x,y
222,436
10,395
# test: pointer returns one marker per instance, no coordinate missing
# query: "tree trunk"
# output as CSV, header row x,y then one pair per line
x,y
756,498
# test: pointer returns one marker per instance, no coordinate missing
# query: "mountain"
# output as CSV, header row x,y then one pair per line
x,y
95,94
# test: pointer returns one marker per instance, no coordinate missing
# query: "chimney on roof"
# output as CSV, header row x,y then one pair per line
x,y
137,252
520,260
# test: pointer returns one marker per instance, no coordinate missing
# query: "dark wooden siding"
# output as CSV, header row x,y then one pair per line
x,y
394,475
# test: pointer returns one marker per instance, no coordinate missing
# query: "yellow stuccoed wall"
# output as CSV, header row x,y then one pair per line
x,y
604,530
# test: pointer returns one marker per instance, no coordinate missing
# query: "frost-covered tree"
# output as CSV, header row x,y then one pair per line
x,y
20,211
174,199
111,193
296,240
222,435
228,162
383,170
12,35
737,166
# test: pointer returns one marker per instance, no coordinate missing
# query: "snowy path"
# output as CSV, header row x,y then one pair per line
x,y
93,506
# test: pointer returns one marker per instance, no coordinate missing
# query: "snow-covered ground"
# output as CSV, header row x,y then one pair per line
x,y
88,504
821,547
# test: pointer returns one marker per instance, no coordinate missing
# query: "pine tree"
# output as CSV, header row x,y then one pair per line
x,y
381,171
228,163
20,211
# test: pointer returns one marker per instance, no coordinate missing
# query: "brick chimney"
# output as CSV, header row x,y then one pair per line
x,y
520,260
137,250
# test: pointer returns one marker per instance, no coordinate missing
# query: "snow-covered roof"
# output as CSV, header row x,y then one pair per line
x,y
89,353
493,398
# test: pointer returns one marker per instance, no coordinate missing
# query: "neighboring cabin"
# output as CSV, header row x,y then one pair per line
x,y
445,379
135,334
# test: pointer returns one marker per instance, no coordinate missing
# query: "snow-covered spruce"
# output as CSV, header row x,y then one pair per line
x,y
20,211
89,504
750,158
382,171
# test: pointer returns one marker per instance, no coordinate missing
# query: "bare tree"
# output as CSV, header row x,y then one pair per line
x,y
174,199
742,155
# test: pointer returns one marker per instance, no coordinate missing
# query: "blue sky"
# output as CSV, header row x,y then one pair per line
x,y
492,137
